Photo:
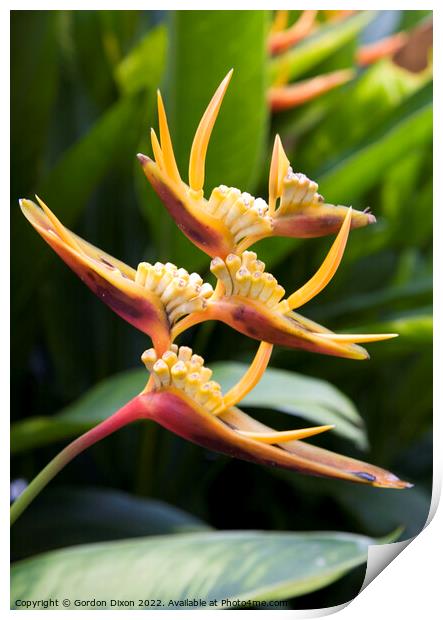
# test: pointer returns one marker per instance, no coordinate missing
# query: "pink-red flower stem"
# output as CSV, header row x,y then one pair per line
x,y
135,409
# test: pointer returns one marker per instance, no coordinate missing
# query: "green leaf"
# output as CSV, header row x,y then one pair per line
x,y
357,171
414,328
411,292
407,200
34,67
351,116
96,405
143,66
289,392
66,516
70,184
381,510
244,566
318,47
197,63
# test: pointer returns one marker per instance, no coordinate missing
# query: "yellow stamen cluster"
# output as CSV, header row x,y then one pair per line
x,y
245,276
181,369
298,191
179,291
242,214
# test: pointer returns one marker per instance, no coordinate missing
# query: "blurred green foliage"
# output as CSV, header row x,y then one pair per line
x,y
82,101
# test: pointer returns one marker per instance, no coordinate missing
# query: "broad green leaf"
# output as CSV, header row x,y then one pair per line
x,y
34,71
357,171
412,292
318,47
407,199
412,18
414,328
95,48
65,516
96,405
381,510
244,566
346,120
203,47
143,66
312,399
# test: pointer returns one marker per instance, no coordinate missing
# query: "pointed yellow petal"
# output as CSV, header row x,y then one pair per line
x,y
307,458
202,136
166,143
280,21
62,232
156,149
355,338
279,168
251,377
282,437
327,270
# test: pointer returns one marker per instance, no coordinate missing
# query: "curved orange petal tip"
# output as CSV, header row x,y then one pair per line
x,y
110,279
291,96
236,435
370,53
280,40
218,224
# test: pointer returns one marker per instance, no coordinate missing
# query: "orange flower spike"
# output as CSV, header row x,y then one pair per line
x,y
281,40
186,204
181,396
230,221
288,97
187,402
152,298
370,53
252,302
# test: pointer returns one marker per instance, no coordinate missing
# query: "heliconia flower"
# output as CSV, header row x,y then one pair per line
x,y
370,53
231,220
288,96
252,302
182,397
281,38
152,298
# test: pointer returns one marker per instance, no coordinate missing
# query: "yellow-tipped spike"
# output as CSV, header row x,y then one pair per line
x,y
357,338
282,437
62,232
202,136
280,21
327,270
156,149
166,143
251,377
278,170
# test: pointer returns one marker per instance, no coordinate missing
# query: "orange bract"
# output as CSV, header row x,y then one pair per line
x,y
163,300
